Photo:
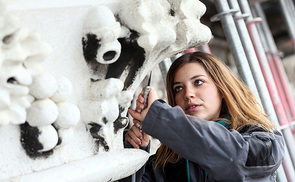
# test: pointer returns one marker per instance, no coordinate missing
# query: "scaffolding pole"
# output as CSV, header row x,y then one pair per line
x,y
255,68
257,10
276,66
164,67
205,48
288,12
276,103
252,59
235,45
287,7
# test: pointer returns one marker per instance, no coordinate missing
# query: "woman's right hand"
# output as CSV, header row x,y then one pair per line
x,y
137,137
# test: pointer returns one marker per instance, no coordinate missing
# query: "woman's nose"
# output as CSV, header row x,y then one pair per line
x,y
189,93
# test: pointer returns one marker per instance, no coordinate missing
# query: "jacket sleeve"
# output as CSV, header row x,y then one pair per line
x,y
222,153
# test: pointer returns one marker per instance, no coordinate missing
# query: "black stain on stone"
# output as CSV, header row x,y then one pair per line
x,y
172,12
132,55
7,39
132,58
90,45
30,143
101,142
104,119
95,80
121,109
12,80
118,123
94,129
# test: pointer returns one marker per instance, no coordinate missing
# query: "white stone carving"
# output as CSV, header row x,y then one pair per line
x,y
64,89
42,113
68,115
48,138
102,110
101,25
110,166
19,49
43,86
75,99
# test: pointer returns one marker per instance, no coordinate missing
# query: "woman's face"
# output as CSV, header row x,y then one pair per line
x,y
196,93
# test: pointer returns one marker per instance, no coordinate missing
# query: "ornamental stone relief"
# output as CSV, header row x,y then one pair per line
x,y
64,95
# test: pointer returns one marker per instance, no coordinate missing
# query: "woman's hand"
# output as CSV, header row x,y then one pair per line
x,y
137,137
140,105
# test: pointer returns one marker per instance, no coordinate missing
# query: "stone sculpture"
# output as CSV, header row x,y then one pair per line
x,y
62,110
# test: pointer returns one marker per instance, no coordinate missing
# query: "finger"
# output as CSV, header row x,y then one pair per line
x,y
131,141
134,114
136,133
139,107
134,139
140,98
145,137
131,137
137,123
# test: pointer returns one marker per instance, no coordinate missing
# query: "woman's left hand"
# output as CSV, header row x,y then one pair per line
x,y
136,137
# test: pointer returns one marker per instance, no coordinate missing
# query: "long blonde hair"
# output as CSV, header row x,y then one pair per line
x,y
238,100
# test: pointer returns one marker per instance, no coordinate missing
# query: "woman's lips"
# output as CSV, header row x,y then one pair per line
x,y
192,107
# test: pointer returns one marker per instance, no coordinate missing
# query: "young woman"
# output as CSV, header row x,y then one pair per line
x,y
212,130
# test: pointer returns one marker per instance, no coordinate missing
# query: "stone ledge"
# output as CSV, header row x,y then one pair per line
x,y
115,165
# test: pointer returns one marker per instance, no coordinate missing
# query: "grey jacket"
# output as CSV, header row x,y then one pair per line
x,y
214,153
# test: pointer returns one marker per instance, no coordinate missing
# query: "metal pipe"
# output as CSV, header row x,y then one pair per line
x,y
279,85
252,60
235,44
280,113
261,47
255,68
285,85
205,48
286,8
164,67
166,63
133,177
292,9
262,61
278,69
189,50
287,162
261,27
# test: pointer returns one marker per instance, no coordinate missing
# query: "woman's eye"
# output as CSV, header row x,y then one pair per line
x,y
177,89
198,82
